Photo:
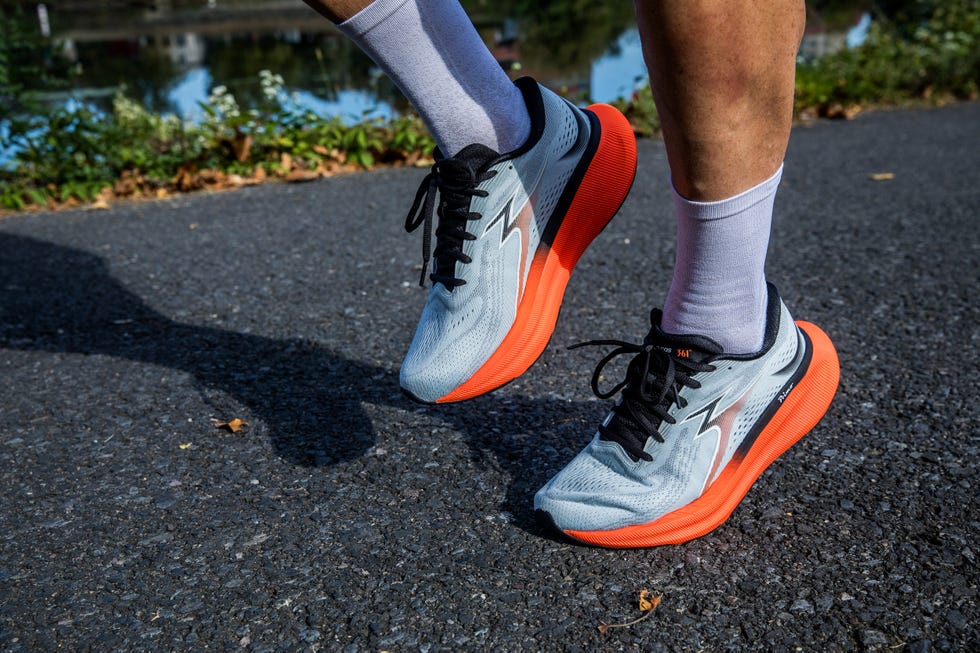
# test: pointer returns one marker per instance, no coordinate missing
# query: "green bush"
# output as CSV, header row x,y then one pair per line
x,y
63,154
936,56
28,62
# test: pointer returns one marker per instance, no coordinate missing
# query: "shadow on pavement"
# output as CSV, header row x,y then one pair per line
x,y
58,299
528,438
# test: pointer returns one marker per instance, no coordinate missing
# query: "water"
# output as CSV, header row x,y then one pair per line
x,y
170,54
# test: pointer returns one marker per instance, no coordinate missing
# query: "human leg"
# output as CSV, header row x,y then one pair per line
x,y
518,202
701,416
723,75
432,52
512,227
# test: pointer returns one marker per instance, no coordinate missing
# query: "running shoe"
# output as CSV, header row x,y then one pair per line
x,y
693,429
511,228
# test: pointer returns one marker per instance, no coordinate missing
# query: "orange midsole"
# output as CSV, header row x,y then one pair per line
x,y
800,412
601,193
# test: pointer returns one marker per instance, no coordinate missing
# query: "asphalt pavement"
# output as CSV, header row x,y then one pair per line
x,y
343,517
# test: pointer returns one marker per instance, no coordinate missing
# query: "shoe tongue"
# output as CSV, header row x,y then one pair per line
x,y
694,347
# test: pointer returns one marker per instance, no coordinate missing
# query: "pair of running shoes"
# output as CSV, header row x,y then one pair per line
x,y
693,427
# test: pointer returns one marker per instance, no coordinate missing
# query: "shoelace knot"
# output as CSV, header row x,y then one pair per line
x,y
456,184
654,379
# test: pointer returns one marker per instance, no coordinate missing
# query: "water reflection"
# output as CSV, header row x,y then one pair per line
x,y
169,53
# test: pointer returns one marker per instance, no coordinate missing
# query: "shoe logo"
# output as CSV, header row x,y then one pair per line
x,y
785,393
506,216
719,425
683,353
520,222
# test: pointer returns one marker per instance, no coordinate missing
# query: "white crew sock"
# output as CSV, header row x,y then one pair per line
x,y
432,52
719,286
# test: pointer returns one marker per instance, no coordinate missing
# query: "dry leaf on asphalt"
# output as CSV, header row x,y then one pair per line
x,y
233,426
298,174
838,111
881,176
648,603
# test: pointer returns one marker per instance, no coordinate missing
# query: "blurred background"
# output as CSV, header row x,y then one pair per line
x,y
169,54
102,98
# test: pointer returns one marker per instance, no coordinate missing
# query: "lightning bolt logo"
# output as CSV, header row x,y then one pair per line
x,y
519,222
719,425
507,217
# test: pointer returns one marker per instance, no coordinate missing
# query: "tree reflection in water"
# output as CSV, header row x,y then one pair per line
x,y
127,43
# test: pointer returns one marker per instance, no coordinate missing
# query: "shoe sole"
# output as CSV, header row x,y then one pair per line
x,y
804,406
592,203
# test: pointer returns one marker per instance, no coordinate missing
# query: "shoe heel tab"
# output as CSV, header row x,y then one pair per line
x,y
774,309
534,102
774,320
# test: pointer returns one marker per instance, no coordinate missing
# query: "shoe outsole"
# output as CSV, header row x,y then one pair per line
x,y
796,416
599,195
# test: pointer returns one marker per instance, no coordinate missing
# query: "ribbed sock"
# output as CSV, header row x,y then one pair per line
x,y
719,285
432,52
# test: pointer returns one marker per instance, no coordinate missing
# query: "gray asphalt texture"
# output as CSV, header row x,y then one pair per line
x,y
346,518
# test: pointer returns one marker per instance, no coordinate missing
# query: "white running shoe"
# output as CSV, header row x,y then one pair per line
x,y
692,432
511,228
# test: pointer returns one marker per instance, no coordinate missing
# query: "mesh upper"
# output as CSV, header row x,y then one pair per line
x,y
461,328
603,488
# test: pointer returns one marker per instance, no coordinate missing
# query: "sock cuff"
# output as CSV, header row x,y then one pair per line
x,y
730,206
370,17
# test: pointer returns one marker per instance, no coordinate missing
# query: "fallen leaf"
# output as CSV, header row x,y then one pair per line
x,y
99,204
327,167
837,111
125,186
234,426
648,603
184,446
212,176
881,176
187,179
299,174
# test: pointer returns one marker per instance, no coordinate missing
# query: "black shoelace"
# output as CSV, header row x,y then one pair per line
x,y
653,382
456,184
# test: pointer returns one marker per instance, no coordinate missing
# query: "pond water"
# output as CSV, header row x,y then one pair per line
x,y
170,54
